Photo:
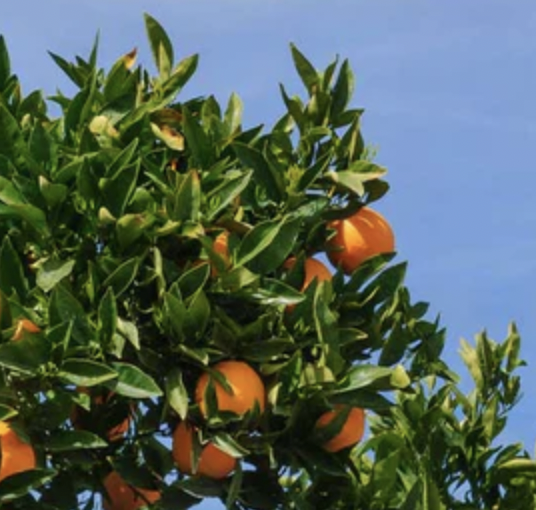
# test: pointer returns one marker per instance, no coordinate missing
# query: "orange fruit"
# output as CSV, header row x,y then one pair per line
x,y
359,237
213,462
82,419
25,326
312,268
17,455
246,385
122,496
351,432
221,247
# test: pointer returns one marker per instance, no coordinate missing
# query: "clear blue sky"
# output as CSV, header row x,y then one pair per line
x,y
449,92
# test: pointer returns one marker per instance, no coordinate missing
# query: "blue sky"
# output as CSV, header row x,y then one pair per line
x,y
448,89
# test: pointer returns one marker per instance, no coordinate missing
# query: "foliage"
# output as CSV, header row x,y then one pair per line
x,y
109,213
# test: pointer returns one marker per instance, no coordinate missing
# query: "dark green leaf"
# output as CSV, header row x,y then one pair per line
x,y
161,46
12,275
134,383
64,307
86,373
68,440
262,172
120,280
20,484
343,90
307,72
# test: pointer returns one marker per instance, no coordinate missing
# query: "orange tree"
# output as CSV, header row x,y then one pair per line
x,y
170,329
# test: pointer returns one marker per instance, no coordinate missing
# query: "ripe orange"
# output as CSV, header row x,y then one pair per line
x,y
312,268
351,432
82,419
25,326
213,462
17,455
359,237
246,385
121,496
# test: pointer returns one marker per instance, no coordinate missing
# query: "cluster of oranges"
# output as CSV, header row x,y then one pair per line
x,y
356,239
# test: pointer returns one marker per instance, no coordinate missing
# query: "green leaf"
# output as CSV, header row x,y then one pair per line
x,y
221,196
54,194
118,190
64,307
197,317
374,377
280,247
23,483
258,239
362,398
12,275
176,393
134,383
267,351
119,281
5,65
175,315
233,115
124,158
131,227
34,216
69,440
107,314
59,337
42,147
51,272
129,330
316,170
295,108
307,72
161,46
182,73
86,373
197,140
187,199
273,293
262,171
69,69
343,90
227,444
193,280
9,133
385,285
326,326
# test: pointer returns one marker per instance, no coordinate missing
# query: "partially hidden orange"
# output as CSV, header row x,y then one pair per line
x,y
352,430
359,237
100,411
213,462
17,455
221,248
25,327
313,268
122,496
246,387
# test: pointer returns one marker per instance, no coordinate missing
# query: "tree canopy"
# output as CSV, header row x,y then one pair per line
x,y
171,329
